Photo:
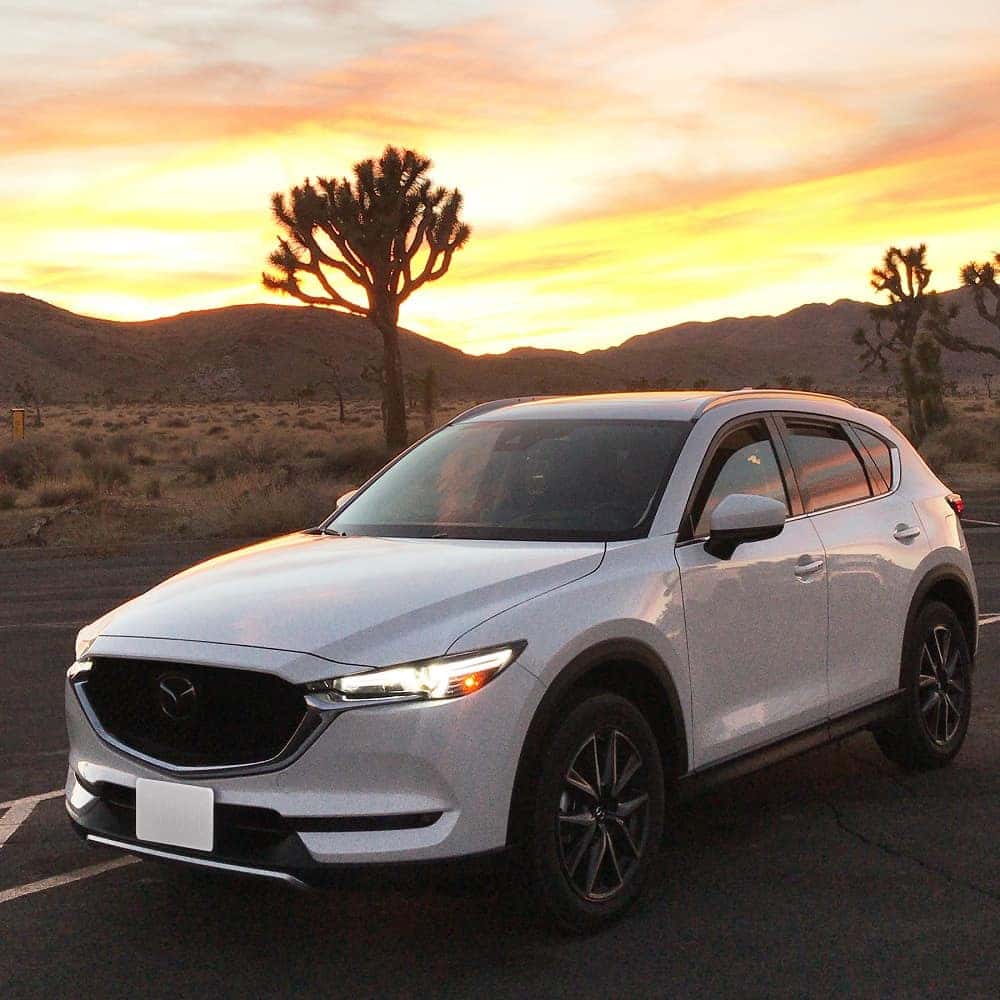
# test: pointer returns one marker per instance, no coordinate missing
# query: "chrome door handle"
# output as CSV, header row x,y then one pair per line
x,y
905,532
807,569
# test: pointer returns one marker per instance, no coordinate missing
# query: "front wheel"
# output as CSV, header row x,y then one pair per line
x,y
598,810
937,679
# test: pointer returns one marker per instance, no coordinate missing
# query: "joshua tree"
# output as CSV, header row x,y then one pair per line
x,y
988,379
806,383
413,383
305,393
428,387
372,374
387,231
335,379
913,326
982,279
27,393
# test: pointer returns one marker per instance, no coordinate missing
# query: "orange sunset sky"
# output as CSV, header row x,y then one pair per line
x,y
625,165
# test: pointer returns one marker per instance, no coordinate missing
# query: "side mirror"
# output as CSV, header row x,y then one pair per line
x,y
343,499
740,518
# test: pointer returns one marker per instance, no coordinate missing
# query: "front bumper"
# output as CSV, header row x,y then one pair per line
x,y
395,783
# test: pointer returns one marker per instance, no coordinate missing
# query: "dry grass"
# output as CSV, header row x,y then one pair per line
x,y
966,453
239,470
255,469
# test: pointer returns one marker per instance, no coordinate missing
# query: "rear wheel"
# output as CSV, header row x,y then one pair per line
x,y
597,817
937,679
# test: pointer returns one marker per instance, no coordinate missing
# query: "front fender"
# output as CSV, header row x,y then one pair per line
x,y
630,608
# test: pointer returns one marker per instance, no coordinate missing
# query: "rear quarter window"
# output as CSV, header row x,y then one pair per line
x,y
828,469
880,454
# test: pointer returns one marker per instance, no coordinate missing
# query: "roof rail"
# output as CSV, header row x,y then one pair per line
x,y
495,404
735,395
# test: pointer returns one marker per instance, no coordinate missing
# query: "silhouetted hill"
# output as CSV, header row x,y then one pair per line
x,y
257,351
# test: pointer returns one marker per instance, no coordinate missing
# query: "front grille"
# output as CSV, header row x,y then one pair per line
x,y
190,715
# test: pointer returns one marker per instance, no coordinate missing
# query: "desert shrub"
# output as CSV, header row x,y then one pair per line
x,y
257,453
961,441
24,462
58,494
176,422
122,445
205,467
8,499
250,505
84,422
107,474
357,459
84,446
216,429
154,489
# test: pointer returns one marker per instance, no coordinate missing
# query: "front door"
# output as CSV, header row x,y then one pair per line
x,y
757,622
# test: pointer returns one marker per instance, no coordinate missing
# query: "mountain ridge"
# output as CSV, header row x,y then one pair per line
x,y
265,350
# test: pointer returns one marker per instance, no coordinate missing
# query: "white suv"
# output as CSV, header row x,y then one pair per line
x,y
526,632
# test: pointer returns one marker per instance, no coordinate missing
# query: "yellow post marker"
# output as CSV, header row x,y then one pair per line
x,y
17,423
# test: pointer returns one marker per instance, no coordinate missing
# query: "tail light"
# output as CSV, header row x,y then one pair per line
x,y
956,503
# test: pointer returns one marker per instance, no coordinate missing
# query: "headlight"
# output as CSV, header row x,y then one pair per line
x,y
444,677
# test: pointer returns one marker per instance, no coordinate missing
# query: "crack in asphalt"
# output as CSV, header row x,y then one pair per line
x,y
882,772
893,851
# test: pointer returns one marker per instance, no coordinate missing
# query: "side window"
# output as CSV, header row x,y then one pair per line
x,y
743,462
827,468
879,453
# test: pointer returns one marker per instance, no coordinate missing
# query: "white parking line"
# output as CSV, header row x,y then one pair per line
x,y
41,797
13,818
7,895
18,810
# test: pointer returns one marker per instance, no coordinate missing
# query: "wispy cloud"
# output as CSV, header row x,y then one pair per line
x,y
624,165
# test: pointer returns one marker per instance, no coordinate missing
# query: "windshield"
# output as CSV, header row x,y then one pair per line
x,y
594,480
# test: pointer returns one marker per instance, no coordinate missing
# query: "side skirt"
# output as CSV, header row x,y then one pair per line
x,y
704,778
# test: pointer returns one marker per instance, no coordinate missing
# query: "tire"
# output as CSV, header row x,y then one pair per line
x,y
937,679
596,820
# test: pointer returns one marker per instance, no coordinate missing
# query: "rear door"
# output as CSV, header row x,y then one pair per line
x,y
848,479
757,622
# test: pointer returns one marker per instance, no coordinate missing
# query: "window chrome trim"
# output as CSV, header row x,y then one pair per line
x,y
765,417
894,459
897,469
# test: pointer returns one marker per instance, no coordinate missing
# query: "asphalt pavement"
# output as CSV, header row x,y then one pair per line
x,y
832,874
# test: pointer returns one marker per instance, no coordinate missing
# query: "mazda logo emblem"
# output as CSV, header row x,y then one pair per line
x,y
178,697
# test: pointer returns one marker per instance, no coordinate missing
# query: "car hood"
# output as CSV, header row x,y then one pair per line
x,y
359,600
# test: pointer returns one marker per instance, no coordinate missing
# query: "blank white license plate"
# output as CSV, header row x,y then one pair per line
x,y
178,815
